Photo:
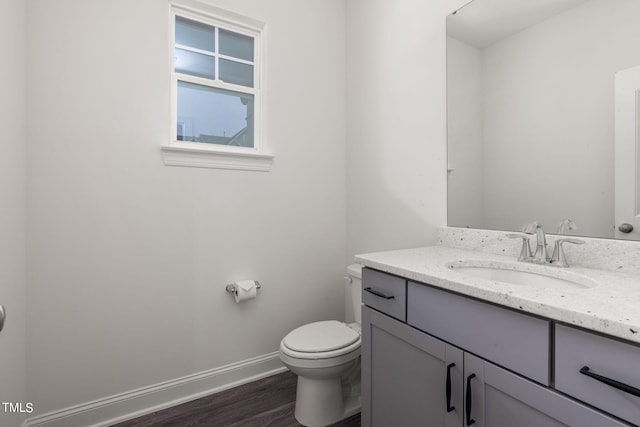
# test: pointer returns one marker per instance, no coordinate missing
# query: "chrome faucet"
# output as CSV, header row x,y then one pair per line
x,y
541,255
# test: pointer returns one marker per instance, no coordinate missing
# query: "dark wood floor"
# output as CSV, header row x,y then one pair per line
x,y
267,402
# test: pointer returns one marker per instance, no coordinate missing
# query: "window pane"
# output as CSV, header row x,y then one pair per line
x,y
195,34
214,116
236,73
195,64
236,45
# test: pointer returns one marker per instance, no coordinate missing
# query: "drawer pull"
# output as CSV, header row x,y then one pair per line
x,y
448,387
470,420
379,294
608,381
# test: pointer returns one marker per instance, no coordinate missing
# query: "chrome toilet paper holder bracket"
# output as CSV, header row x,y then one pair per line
x,y
233,289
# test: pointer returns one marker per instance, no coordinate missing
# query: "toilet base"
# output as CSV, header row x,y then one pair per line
x,y
321,402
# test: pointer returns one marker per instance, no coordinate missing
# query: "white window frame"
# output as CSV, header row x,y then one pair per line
x,y
194,154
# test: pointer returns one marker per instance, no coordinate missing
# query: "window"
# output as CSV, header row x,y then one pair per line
x,y
216,93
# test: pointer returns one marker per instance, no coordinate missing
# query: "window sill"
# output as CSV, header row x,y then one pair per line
x,y
216,159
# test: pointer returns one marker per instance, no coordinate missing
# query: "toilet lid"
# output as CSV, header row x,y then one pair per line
x,y
319,337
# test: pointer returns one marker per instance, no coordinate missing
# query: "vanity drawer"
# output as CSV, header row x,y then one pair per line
x,y
510,339
606,357
385,293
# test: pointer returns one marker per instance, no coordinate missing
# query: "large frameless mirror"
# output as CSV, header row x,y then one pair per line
x,y
542,113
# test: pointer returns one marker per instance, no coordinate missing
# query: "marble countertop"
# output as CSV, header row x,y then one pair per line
x,y
610,305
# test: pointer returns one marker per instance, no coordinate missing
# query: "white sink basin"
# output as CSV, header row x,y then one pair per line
x,y
523,274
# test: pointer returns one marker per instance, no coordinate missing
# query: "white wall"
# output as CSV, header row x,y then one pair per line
x,y
128,257
396,174
564,68
13,140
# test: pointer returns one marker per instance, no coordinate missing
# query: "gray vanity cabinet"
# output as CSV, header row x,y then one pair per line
x,y
457,361
500,398
404,381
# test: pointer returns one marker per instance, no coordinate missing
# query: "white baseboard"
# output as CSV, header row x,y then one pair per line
x,y
125,406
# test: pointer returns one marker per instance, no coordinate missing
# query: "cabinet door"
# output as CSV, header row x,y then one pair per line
x,y
502,399
405,374
618,362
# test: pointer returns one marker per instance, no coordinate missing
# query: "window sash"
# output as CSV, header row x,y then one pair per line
x,y
176,76
218,84
218,23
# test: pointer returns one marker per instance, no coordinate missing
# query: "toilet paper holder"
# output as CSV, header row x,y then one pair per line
x,y
233,289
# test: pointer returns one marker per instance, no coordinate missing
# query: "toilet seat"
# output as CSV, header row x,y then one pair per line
x,y
321,340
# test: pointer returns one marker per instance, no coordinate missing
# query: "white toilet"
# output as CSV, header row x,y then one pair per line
x,y
326,358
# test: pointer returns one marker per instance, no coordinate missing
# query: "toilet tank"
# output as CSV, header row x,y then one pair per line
x,y
354,292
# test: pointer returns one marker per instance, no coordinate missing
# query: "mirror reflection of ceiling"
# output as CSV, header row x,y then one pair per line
x,y
530,112
487,21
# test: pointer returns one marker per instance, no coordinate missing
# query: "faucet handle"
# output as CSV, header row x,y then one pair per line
x,y
566,224
525,251
530,228
558,258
